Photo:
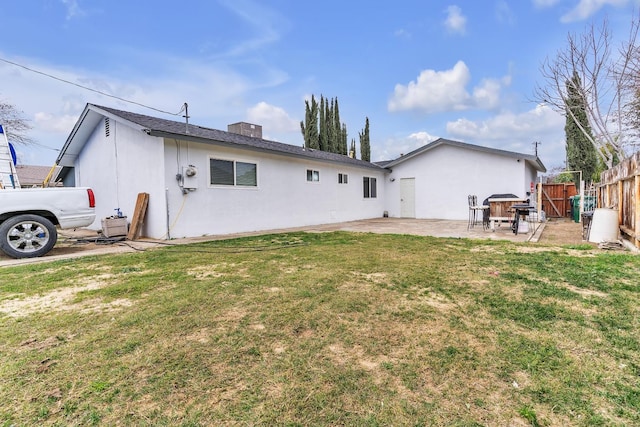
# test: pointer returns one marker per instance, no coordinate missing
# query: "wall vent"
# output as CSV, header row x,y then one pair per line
x,y
107,130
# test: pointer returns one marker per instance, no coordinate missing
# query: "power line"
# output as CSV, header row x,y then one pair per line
x,y
37,144
88,88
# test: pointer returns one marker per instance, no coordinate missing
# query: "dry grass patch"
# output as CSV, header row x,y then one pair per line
x,y
66,299
61,299
338,329
585,292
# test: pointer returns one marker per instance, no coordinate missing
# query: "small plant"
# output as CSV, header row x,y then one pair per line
x,y
99,386
529,414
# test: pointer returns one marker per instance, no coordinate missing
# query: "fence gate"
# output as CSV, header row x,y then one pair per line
x,y
555,199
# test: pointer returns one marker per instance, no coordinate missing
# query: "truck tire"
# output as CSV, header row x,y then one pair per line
x,y
27,236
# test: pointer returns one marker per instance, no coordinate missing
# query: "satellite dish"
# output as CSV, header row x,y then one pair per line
x,y
13,154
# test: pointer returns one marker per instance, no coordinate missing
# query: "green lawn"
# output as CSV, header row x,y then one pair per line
x,y
324,329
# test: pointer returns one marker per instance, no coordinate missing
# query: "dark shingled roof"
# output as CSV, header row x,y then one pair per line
x,y
172,129
383,163
531,159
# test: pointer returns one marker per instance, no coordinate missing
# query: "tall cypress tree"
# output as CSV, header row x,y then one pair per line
x,y
365,147
309,127
328,133
323,142
581,154
337,128
331,139
343,140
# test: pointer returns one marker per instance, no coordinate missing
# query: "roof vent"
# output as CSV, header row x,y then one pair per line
x,y
246,129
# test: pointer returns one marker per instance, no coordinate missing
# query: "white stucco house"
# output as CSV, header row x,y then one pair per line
x,y
203,181
434,180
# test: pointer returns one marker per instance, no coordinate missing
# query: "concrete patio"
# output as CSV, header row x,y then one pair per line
x,y
430,227
78,243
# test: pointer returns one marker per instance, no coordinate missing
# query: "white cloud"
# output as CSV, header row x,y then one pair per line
x,y
422,138
504,13
437,91
434,91
531,124
583,9
402,34
73,9
392,148
586,8
545,3
272,118
47,122
516,132
214,95
455,22
487,94
267,24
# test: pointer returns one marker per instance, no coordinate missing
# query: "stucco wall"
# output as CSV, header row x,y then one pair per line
x,y
446,175
120,166
283,197
531,176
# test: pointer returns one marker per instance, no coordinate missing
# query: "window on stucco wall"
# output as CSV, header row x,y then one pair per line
x,y
370,187
313,175
233,173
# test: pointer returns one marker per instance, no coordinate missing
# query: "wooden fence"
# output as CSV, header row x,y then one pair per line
x,y
555,199
620,189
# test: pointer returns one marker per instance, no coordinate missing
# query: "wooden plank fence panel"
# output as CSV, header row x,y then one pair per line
x,y
620,189
555,199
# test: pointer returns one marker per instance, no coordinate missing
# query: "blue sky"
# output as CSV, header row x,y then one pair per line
x,y
464,70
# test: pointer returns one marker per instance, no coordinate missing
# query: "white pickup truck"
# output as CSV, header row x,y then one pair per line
x,y
28,217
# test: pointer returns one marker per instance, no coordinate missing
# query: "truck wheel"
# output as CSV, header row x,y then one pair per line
x,y
27,236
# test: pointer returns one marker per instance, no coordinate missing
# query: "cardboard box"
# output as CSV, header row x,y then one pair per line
x,y
112,227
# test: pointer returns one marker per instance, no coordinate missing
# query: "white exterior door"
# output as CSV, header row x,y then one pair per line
x,y
408,197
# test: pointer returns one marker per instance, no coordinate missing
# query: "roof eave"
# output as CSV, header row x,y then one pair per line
x,y
534,160
63,157
537,163
87,122
187,137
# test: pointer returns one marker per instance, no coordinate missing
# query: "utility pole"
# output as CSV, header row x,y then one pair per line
x,y
185,108
535,144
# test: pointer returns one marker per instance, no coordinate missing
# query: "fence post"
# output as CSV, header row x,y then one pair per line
x,y
620,201
636,211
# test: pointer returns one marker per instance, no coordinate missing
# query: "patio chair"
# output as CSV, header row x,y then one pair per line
x,y
474,208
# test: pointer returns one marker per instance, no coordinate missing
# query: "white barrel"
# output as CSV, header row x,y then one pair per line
x,y
604,226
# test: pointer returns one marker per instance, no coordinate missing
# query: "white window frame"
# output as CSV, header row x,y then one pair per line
x,y
343,178
367,194
314,173
235,173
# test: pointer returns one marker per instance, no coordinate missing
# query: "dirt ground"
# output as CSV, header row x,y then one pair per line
x,y
562,231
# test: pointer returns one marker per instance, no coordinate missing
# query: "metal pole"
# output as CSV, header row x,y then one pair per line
x,y
186,116
166,196
581,197
539,198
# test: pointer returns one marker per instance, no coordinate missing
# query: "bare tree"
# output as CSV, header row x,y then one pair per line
x,y
629,74
606,79
14,124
